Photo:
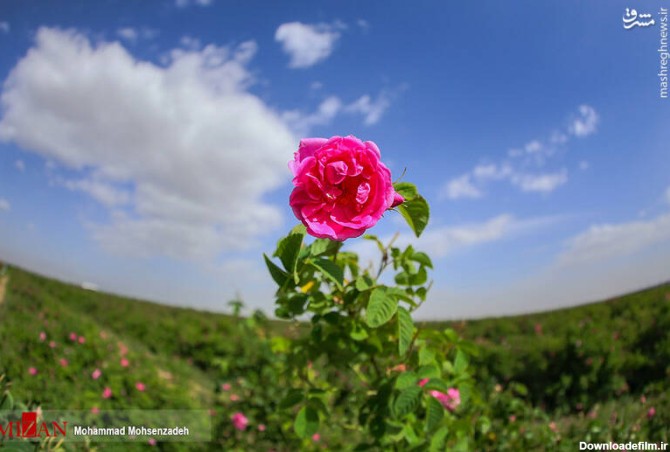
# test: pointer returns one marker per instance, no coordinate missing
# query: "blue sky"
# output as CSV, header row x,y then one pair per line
x,y
143,145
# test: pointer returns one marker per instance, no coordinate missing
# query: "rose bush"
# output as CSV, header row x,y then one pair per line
x,y
342,188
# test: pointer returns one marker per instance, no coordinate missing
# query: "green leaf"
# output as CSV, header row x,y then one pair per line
x,y
306,422
7,402
363,283
405,330
407,401
294,397
434,413
436,384
429,371
381,308
416,213
358,332
437,443
419,278
279,275
319,246
422,258
405,380
406,190
288,250
426,356
330,270
461,362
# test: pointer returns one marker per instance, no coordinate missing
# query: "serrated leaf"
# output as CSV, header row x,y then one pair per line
x,y
278,275
319,246
330,270
405,330
416,213
381,308
306,422
434,413
407,401
422,258
436,384
405,380
406,190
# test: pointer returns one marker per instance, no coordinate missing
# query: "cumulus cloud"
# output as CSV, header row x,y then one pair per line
x,y
371,111
182,154
605,241
525,166
461,187
544,183
307,45
585,122
4,205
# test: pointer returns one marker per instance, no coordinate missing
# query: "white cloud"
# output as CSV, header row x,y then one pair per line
x,y
372,110
585,123
667,195
128,33
584,165
4,27
197,151
306,44
20,165
545,183
492,171
302,123
602,242
461,187
103,192
4,205
133,34
186,3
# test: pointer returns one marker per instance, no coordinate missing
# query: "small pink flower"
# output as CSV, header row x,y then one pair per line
x,y
316,437
82,339
140,386
152,442
450,400
552,426
261,427
107,393
226,386
643,399
512,418
240,421
43,336
32,371
538,328
73,337
96,374
95,410
63,362
234,397
124,362
52,344
651,413
423,382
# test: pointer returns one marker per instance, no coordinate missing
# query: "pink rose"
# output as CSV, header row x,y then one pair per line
x,y
96,374
107,393
341,186
450,400
651,413
240,421
140,386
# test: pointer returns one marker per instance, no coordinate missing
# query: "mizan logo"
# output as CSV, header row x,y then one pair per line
x,y
633,19
28,427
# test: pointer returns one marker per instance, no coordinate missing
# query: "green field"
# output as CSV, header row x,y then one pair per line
x,y
599,372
